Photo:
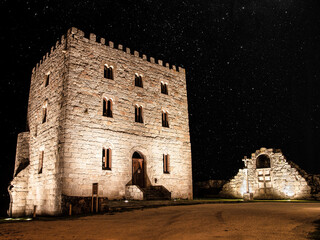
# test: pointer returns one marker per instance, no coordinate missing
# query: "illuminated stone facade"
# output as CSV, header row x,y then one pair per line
x,y
62,154
268,175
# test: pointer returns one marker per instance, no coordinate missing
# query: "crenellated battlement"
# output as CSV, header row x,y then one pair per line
x,y
59,43
93,39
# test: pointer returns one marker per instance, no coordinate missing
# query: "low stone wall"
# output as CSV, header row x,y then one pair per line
x,y
80,205
235,187
133,192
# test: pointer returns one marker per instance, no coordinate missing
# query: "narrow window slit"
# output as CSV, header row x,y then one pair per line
x,y
166,163
46,82
165,119
106,159
40,162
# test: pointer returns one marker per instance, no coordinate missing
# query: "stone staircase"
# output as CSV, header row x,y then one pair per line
x,y
156,193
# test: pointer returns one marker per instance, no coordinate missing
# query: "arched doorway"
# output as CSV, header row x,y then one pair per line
x,y
263,161
137,169
264,177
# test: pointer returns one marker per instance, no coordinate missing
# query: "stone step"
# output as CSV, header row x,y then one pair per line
x,y
155,194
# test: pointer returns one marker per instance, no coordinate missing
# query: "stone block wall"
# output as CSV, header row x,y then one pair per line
x,y
87,131
75,132
18,189
133,192
278,181
22,152
44,189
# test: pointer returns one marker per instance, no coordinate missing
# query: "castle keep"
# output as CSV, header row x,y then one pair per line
x,y
105,121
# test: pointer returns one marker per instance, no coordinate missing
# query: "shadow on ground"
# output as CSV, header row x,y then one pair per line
x,y
316,234
4,205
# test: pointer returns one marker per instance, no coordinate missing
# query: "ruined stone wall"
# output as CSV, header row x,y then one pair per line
x,y
43,190
22,152
87,131
18,192
279,181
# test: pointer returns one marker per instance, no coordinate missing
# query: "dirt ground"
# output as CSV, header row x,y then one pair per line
x,y
205,221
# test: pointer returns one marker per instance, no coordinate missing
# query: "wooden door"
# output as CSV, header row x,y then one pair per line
x,y
137,172
264,181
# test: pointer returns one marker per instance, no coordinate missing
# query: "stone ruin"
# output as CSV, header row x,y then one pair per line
x,y
268,175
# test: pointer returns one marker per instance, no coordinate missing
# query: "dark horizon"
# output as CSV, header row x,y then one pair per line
x,y
252,70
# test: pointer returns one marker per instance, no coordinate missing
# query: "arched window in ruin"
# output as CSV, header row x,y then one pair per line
x,y
263,161
166,163
165,121
138,114
138,80
106,158
44,111
107,107
108,71
164,88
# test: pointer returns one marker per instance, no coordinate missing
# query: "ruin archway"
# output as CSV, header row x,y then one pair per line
x,y
263,161
138,169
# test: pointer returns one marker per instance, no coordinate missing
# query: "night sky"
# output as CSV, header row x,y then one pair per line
x,y
252,67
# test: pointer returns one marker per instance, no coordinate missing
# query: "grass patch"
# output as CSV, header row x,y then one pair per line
x,y
287,201
255,200
216,200
22,219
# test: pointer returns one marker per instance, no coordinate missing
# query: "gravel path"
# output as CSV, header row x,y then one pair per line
x,y
205,221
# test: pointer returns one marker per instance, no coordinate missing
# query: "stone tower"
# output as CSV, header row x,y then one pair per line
x,y
101,119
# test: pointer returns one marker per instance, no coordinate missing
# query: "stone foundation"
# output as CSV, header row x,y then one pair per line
x,y
134,192
80,205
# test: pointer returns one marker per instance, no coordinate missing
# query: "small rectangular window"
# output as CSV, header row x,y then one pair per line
x,y
166,163
44,111
138,81
108,72
164,88
40,166
106,159
46,81
44,115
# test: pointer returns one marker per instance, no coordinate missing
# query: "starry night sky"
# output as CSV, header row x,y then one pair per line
x,y
252,66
